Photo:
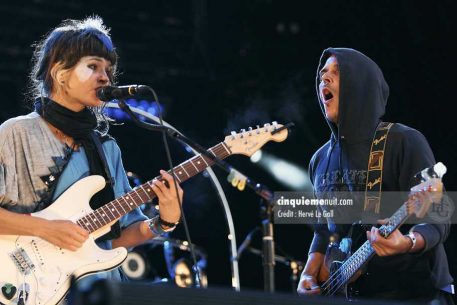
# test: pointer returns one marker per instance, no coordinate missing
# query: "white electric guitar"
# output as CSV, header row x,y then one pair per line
x,y
35,272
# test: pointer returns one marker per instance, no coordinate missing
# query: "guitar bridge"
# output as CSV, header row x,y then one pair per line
x,y
22,261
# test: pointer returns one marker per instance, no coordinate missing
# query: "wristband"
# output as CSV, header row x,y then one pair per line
x,y
155,226
164,223
413,239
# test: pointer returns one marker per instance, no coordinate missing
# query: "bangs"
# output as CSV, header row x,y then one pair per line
x,y
89,43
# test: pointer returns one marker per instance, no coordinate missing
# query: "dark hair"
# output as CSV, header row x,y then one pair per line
x,y
67,44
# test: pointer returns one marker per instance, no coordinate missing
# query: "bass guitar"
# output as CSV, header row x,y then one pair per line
x,y
337,272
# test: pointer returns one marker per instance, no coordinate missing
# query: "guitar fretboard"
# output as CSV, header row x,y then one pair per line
x,y
115,209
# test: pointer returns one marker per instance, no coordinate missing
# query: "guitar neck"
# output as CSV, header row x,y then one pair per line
x,y
117,208
347,270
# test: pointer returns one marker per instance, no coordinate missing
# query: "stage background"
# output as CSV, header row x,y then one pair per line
x,y
219,66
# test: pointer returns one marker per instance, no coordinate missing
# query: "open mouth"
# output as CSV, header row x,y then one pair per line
x,y
327,94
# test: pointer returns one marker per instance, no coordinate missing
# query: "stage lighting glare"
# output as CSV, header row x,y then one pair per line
x,y
290,174
256,156
150,107
285,172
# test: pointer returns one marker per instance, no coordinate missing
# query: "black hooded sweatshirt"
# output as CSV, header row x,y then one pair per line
x,y
341,165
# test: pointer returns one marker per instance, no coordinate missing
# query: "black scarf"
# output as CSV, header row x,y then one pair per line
x,y
80,126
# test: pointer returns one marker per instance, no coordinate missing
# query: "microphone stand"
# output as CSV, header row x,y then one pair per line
x,y
295,266
268,246
265,194
166,131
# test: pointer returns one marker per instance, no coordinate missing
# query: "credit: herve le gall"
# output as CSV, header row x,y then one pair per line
x,y
304,214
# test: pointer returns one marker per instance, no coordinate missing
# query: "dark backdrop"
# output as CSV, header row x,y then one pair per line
x,y
223,65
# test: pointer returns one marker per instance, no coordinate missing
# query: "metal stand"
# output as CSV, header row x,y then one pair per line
x,y
268,246
259,189
295,266
228,215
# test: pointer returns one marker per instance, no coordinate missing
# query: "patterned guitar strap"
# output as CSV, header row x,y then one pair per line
x,y
339,251
340,248
372,203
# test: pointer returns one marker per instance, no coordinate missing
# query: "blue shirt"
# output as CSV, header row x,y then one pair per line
x,y
78,168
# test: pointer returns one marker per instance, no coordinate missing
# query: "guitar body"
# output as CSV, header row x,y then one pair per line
x,y
40,272
334,258
338,252
348,290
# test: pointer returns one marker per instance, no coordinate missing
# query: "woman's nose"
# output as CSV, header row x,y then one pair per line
x,y
103,78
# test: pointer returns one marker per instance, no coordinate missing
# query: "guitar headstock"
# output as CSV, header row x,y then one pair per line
x,y
430,191
247,142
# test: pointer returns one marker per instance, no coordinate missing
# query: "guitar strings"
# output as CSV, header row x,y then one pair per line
x,y
189,169
329,285
329,282
339,274
217,150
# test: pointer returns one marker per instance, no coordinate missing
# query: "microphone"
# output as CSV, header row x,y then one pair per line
x,y
109,93
246,243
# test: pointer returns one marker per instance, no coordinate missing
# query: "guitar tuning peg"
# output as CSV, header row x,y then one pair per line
x,y
258,129
266,125
250,131
233,133
242,132
275,125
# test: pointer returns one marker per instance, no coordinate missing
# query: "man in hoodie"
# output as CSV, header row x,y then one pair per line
x,y
353,95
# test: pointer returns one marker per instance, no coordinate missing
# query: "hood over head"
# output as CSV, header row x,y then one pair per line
x,y
363,94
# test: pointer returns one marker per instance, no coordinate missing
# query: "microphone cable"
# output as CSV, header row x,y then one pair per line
x,y
170,164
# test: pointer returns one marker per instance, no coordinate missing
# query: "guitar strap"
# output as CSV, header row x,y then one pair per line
x,y
342,249
372,203
109,193
102,155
